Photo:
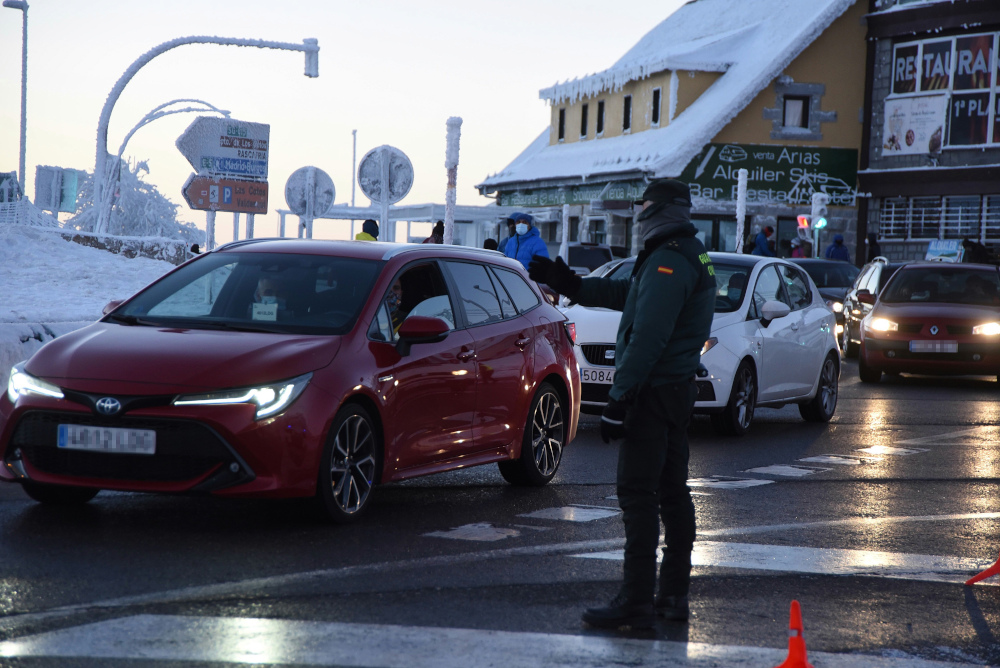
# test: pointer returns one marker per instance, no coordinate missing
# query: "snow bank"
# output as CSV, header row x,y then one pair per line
x,y
50,286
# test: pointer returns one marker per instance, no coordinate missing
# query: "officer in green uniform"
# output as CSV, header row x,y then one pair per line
x,y
667,307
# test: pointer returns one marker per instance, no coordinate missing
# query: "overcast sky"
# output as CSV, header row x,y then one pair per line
x,y
394,70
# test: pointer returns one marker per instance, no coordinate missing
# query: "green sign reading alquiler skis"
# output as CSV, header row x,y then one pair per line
x,y
776,174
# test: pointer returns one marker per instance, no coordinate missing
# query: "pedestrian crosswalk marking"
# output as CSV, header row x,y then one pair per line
x,y
834,459
242,640
890,450
573,513
825,561
726,482
480,531
787,470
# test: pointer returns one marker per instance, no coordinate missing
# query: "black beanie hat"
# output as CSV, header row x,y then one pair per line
x,y
667,191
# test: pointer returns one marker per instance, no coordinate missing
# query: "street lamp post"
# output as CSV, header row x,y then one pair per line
x,y
23,6
101,173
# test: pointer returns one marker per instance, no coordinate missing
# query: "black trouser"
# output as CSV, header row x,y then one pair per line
x,y
652,484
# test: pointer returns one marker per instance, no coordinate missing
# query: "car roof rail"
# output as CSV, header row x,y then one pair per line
x,y
246,242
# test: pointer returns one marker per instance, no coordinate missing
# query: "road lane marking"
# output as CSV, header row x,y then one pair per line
x,y
942,439
824,561
842,460
727,482
243,640
889,450
480,531
787,470
573,513
261,585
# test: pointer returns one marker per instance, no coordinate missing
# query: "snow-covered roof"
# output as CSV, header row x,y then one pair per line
x,y
749,41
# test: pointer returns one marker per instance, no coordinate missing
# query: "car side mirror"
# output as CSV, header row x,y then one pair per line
x,y
772,310
420,329
866,297
111,306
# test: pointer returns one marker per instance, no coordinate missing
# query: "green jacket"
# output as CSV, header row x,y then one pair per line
x,y
667,307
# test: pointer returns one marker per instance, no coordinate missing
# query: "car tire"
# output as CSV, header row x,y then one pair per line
x,y
866,373
543,442
58,495
824,403
849,347
736,417
350,464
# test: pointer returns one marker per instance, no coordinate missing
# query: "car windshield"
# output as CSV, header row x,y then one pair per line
x,y
623,270
831,274
590,257
265,292
953,285
731,283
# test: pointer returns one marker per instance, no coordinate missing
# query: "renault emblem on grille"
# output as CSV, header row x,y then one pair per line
x,y
934,330
108,406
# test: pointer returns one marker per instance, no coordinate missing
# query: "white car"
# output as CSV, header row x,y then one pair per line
x,y
776,348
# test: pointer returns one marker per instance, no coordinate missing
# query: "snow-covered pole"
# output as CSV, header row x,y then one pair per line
x,y
388,231
250,226
310,199
564,242
454,134
741,207
309,46
236,225
210,230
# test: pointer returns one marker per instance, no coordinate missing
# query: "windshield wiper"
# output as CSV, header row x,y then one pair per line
x,y
238,327
130,320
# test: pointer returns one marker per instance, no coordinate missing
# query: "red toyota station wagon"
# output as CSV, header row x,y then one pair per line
x,y
290,368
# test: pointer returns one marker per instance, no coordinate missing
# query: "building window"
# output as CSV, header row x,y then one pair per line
x,y
600,117
583,121
627,114
953,217
655,116
796,113
562,124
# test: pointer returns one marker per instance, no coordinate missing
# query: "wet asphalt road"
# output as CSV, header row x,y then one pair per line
x,y
465,551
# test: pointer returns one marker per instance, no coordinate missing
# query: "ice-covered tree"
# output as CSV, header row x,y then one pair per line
x,y
138,208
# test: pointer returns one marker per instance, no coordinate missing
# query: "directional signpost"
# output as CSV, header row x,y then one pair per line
x,y
230,157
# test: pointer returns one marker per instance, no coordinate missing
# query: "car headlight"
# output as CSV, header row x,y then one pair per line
x,y
21,383
883,325
269,399
987,329
709,344
835,306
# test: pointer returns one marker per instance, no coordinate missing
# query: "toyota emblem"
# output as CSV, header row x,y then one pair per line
x,y
108,406
934,330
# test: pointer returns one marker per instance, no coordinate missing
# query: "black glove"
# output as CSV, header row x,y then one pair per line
x,y
613,421
557,275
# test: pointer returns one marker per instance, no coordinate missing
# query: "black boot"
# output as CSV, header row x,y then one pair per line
x,y
672,608
621,612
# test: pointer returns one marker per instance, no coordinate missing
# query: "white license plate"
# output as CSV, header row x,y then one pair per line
x,y
606,376
107,439
933,346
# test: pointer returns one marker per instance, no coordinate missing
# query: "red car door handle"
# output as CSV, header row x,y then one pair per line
x,y
466,355
521,343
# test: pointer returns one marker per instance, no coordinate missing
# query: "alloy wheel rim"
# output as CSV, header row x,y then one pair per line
x,y
352,466
547,434
829,387
745,398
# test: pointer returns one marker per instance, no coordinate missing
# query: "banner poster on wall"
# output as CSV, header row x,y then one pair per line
x,y
914,124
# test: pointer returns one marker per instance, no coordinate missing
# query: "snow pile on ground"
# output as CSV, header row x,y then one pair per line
x,y
50,286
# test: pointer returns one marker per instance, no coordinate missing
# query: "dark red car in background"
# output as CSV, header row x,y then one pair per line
x,y
288,368
933,318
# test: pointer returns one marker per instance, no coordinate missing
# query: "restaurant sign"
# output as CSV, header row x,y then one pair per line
x,y
775,174
621,191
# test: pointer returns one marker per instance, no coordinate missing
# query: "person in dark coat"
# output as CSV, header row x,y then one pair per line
x,y
761,245
976,252
874,249
837,250
667,307
490,244
437,234
511,233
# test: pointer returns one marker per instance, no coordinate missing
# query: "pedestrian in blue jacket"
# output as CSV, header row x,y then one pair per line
x,y
761,247
837,250
528,241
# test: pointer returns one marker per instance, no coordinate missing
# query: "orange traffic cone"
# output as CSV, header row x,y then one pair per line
x,y
796,643
989,572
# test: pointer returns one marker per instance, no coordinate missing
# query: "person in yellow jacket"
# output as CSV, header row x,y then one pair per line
x,y
369,231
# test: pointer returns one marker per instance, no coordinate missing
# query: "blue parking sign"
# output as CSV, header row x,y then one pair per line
x,y
227,195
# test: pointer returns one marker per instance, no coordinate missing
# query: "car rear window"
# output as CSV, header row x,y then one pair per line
x,y
731,286
590,257
269,292
831,274
952,285
523,296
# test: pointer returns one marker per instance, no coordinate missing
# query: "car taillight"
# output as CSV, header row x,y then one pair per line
x,y
571,331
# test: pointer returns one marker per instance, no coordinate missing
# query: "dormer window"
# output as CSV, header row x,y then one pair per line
x,y
600,117
583,121
627,114
654,116
562,124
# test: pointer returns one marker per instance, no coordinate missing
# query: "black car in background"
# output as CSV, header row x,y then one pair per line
x,y
872,278
833,278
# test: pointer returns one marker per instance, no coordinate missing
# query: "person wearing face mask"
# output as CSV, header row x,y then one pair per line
x,y
527,241
394,300
667,307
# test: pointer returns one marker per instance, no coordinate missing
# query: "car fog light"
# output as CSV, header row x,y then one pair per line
x,y
891,353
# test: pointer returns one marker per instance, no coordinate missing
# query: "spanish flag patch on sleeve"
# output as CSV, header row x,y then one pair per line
x,y
665,270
